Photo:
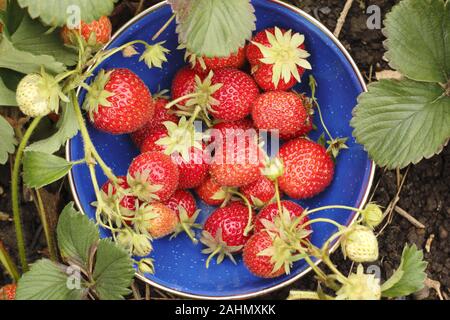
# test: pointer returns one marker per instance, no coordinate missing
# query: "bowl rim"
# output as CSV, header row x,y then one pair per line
x,y
287,282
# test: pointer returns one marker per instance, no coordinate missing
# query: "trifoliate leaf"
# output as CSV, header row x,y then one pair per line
x,y
56,12
33,37
49,281
76,235
214,28
67,128
26,62
418,44
113,271
7,96
410,275
41,169
402,122
7,140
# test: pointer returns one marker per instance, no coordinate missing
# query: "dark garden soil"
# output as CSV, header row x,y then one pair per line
x,y
425,193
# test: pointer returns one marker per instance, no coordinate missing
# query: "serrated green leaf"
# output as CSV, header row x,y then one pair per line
x,y
11,17
31,36
47,281
402,122
55,12
67,128
41,169
410,275
214,28
113,271
7,96
7,140
418,39
76,235
26,62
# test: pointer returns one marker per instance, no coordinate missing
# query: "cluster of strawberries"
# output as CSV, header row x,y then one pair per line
x,y
237,175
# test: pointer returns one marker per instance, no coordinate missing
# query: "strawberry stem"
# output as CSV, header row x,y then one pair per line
x,y
15,193
164,27
8,264
181,99
249,226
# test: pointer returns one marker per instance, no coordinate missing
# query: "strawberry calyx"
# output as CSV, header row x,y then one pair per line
x,y
285,54
336,145
187,224
97,96
360,286
202,97
216,246
180,138
155,55
143,218
112,207
273,168
281,253
142,188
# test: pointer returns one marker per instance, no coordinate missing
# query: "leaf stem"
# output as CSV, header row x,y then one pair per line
x,y
164,27
44,220
15,192
7,262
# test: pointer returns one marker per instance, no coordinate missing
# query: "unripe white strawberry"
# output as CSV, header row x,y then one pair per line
x,y
39,94
359,244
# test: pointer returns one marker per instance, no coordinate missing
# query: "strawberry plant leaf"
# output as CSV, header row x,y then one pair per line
x,y
26,62
67,128
113,271
56,12
214,28
31,36
76,234
410,275
7,140
418,33
402,122
7,96
48,281
41,169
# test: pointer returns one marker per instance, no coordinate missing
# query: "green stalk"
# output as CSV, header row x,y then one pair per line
x,y
44,220
15,193
7,262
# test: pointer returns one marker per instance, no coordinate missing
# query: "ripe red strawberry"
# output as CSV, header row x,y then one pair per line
x,y
230,128
236,95
223,232
193,171
183,204
260,192
212,193
163,220
149,144
119,102
278,58
95,32
156,123
308,168
184,83
153,176
271,211
260,265
127,202
8,292
204,64
237,163
282,111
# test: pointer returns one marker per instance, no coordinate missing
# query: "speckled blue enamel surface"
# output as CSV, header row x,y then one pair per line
x,y
179,264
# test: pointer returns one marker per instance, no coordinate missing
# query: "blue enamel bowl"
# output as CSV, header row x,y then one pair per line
x,y
180,265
